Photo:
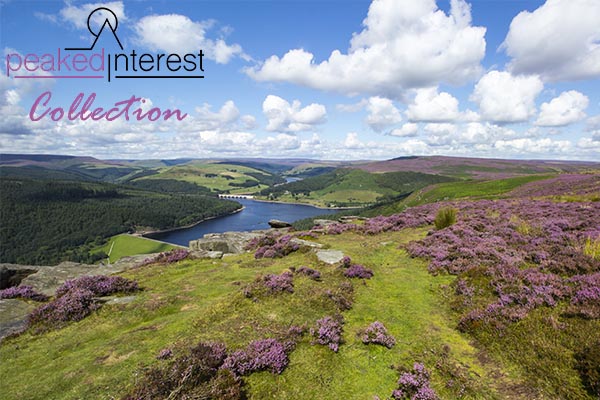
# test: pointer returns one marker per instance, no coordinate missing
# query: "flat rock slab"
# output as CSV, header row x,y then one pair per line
x,y
330,256
306,243
13,316
117,300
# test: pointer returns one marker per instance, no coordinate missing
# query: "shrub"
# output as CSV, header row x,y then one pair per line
x,y
75,300
342,296
259,355
309,272
23,292
358,271
376,333
271,283
328,332
191,375
414,385
168,257
274,247
445,217
74,305
99,285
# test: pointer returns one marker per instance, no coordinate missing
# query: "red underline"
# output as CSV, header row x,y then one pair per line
x,y
58,76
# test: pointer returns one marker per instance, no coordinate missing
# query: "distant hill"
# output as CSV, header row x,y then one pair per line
x,y
475,168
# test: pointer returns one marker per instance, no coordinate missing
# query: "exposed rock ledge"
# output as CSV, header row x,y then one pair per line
x,y
46,279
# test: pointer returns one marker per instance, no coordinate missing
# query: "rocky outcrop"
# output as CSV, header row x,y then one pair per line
x,y
46,279
278,224
226,243
12,274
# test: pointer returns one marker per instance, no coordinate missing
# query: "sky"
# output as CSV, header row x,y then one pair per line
x,y
332,79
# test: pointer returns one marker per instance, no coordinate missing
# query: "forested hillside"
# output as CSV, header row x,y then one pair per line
x,y
46,222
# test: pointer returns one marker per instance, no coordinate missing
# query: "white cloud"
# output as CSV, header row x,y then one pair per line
x,y
526,146
407,130
431,106
559,40
404,44
382,113
209,120
503,97
179,34
352,141
563,110
78,15
285,117
351,108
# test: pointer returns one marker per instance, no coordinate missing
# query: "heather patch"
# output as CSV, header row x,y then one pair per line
x,y
377,333
273,246
328,332
414,385
309,272
22,292
168,257
270,284
76,299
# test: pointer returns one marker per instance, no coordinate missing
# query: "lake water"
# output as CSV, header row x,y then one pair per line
x,y
255,215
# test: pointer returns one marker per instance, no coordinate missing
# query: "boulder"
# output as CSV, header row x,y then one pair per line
x,y
226,243
323,222
330,256
275,223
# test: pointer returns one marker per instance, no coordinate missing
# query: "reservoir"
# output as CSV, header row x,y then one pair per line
x,y
255,215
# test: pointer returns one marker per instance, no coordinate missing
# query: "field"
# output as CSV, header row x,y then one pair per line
x,y
217,176
127,245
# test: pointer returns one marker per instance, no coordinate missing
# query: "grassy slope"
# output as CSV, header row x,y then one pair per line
x,y
196,173
201,300
128,245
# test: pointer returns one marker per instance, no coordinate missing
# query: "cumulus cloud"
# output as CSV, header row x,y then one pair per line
x,y
407,130
382,113
527,146
504,98
431,106
285,117
563,110
78,15
179,34
558,41
404,44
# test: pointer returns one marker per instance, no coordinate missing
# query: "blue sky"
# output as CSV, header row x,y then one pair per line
x,y
323,79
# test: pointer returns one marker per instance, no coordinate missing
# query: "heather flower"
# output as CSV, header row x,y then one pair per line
x,y
358,271
99,285
168,257
23,292
271,246
377,333
259,355
74,305
346,262
309,272
279,283
328,332
414,385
